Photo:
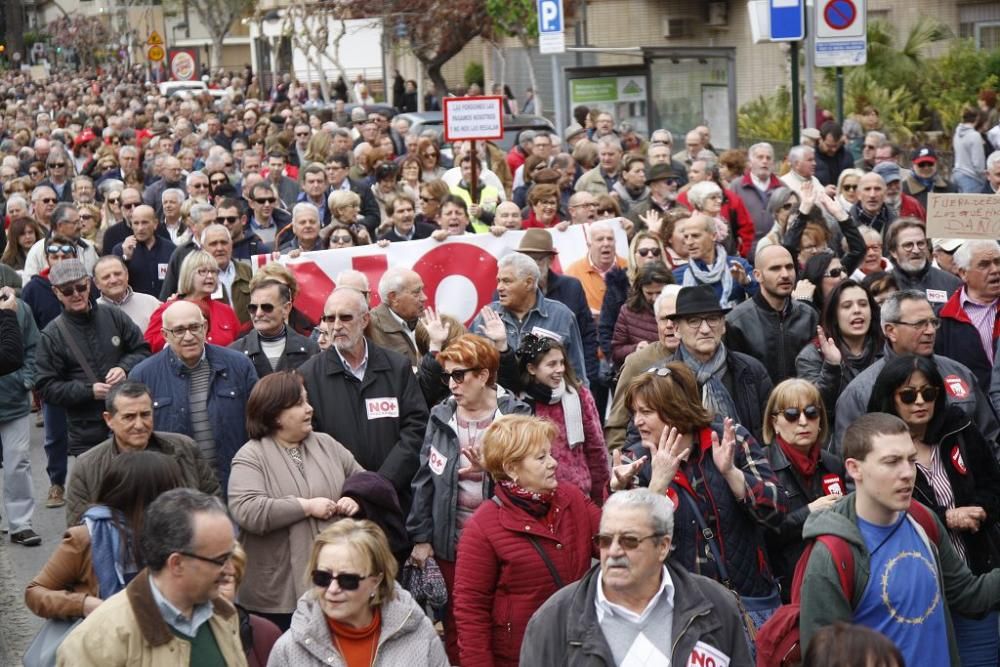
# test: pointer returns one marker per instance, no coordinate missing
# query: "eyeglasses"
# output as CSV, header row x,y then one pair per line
x,y
646,252
217,181
228,165
910,246
263,307
227,218
34,172
870,147
265,200
548,204
47,200
182,331
345,581
908,395
86,217
695,321
626,542
586,205
78,288
835,272
458,375
792,415
849,188
64,249
199,185
56,165
921,324
218,561
605,211
113,200
129,205
205,272
341,238
343,317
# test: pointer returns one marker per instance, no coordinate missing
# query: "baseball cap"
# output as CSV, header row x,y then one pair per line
x,y
925,154
948,245
67,271
889,171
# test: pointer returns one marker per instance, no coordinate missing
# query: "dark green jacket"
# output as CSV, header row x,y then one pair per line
x,y
823,600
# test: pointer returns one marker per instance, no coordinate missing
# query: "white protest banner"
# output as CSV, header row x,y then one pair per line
x,y
473,118
963,216
459,273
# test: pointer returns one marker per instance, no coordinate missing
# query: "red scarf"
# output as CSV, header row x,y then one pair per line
x,y
804,462
536,503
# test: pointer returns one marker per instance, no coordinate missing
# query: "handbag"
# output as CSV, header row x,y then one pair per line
x,y
42,650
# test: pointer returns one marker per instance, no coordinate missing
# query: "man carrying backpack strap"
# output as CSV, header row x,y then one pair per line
x,y
906,578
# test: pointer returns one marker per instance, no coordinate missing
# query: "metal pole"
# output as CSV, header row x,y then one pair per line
x,y
810,55
557,95
840,95
796,114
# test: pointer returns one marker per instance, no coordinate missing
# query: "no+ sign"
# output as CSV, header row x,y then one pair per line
x,y
840,14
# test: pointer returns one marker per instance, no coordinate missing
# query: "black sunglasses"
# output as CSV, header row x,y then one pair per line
x,y
345,318
835,272
909,395
130,205
265,200
626,542
79,288
264,307
227,218
458,375
219,561
792,414
345,581
849,188
643,252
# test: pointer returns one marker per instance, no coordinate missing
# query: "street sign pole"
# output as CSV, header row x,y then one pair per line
x,y
810,71
788,24
796,113
552,41
840,95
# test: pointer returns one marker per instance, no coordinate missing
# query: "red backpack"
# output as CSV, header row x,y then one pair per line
x,y
778,641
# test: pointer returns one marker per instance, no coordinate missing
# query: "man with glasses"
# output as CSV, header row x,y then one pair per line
x,y
873,141
83,353
925,177
199,390
267,219
909,250
146,255
65,222
365,396
910,326
171,612
43,202
272,345
771,326
633,602
83,190
297,156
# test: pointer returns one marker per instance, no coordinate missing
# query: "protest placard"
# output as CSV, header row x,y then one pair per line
x,y
963,216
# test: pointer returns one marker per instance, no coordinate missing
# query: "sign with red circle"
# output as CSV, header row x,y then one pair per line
x,y
840,14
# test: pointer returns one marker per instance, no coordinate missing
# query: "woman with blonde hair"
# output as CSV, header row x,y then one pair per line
x,y
319,148
354,613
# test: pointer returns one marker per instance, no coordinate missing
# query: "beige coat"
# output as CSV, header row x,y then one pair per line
x,y
264,488
387,332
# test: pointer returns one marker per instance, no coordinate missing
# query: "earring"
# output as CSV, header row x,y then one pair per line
x,y
372,596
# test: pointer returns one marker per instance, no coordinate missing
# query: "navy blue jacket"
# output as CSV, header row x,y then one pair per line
x,y
249,245
44,303
233,377
614,298
568,291
144,269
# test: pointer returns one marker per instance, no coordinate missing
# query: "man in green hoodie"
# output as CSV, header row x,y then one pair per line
x,y
917,583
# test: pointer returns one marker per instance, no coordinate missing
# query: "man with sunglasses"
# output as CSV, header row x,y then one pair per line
x,y
771,326
83,353
272,345
171,612
232,213
43,202
910,326
268,218
637,606
65,222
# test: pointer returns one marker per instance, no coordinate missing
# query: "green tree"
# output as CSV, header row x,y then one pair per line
x,y
218,16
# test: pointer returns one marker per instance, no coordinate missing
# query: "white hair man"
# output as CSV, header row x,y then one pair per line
x,y
396,320
802,160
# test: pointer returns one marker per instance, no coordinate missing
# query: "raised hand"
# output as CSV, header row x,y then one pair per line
x,y
831,353
808,192
724,453
493,328
667,455
437,331
623,474
475,461
653,220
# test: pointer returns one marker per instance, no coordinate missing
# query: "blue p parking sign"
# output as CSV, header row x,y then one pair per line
x,y
551,36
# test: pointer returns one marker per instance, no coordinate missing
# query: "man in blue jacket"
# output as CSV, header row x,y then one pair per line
x,y
199,390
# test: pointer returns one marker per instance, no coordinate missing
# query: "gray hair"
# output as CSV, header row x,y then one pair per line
x,y
132,150
879,137
661,136
216,227
362,302
168,527
656,505
798,153
761,146
192,176
668,292
347,274
601,226
993,159
778,199
610,140
173,191
869,233
892,307
198,212
305,207
963,256
700,192
524,266
18,198
393,280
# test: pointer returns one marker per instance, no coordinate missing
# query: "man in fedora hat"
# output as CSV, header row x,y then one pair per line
x,y
663,183
732,384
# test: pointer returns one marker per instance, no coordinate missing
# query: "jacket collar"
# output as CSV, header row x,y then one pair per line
x,y
377,360
211,355
154,629
772,184
953,310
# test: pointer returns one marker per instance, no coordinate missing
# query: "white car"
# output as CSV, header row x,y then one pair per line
x,y
168,88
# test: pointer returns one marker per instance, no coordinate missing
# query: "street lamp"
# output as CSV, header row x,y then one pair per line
x,y
271,29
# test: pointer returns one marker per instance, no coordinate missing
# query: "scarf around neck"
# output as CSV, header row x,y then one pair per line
x,y
536,503
805,463
714,395
716,273
106,553
572,410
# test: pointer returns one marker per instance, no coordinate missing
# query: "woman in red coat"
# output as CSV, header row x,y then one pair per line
x,y
197,282
502,576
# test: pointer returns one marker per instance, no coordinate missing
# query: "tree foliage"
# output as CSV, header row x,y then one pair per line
x,y
86,35
217,17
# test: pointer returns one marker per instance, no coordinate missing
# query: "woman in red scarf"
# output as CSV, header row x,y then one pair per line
x,y
796,427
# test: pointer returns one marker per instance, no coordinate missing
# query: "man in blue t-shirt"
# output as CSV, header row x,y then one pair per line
x,y
904,586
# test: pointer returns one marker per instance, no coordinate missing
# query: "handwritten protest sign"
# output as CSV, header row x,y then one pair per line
x,y
459,273
963,216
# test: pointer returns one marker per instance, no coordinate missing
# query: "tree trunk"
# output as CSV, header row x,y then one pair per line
x,y
13,13
526,43
215,52
434,74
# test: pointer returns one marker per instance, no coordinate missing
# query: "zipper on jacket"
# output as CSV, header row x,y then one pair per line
x,y
686,627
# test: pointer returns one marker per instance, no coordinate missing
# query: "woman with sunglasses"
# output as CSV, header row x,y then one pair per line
x,y
430,159
284,489
716,473
353,611
36,172
848,341
90,224
820,275
957,477
796,429
216,179
533,537
608,208
847,188
449,486
111,212
781,207
432,196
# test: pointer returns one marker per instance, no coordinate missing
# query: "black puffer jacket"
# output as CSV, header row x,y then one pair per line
x,y
774,338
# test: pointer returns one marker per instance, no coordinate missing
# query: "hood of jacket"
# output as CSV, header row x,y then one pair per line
x,y
400,616
839,520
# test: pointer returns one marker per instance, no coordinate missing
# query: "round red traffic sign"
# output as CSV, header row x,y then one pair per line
x,y
840,14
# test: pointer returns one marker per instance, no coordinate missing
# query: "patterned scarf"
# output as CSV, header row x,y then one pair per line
x,y
572,410
714,395
717,273
536,503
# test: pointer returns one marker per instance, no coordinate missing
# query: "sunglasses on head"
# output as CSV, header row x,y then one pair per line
x,y
263,307
909,395
792,414
645,252
64,249
68,290
458,375
345,581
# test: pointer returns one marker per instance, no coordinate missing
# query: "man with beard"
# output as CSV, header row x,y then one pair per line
x,y
908,248
772,326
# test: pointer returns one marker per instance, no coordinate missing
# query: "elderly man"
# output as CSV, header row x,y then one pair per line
x,y
507,216
910,327
171,221
771,326
522,308
601,257
871,208
129,415
234,276
118,232
601,179
992,174
199,390
969,330
65,222
171,178
658,152
111,280
83,190
146,255
366,396
872,142
200,217
396,321
662,183
694,142
272,345
582,208
83,353
171,612
907,243
802,160
43,202
637,602
925,176
901,204
755,188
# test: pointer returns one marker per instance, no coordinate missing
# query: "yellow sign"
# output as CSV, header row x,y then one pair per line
x,y
155,40
155,53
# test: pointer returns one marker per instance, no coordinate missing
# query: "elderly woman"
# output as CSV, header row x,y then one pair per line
x,y
636,324
544,203
957,478
533,538
439,331
97,558
432,195
449,487
198,281
353,611
731,277
873,261
796,430
305,235
734,228
284,489
17,208
345,209
257,634
781,207
718,475
672,238
645,248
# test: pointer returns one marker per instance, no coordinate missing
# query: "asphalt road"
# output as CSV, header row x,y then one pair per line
x,y
18,565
